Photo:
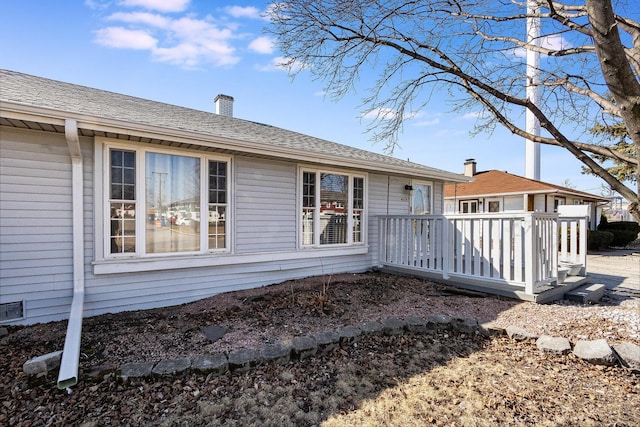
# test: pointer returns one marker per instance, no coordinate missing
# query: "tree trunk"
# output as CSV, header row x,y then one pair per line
x,y
620,80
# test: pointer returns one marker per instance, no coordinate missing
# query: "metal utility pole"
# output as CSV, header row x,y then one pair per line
x,y
532,149
161,174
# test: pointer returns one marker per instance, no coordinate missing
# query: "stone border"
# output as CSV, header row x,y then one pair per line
x,y
302,347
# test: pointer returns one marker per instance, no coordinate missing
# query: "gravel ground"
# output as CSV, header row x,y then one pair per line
x,y
435,379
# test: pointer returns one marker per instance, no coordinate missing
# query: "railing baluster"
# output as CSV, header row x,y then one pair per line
x,y
519,249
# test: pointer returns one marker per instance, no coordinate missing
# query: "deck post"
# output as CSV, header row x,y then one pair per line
x,y
582,246
530,251
447,247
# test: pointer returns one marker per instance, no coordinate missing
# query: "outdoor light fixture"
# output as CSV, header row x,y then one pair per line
x,y
408,187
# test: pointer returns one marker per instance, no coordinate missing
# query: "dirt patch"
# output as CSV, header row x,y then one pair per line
x,y
438,378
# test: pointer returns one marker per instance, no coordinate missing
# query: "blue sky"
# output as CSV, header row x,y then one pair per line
x,y
185,52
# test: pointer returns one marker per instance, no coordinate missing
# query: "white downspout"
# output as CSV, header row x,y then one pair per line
x,y
68,375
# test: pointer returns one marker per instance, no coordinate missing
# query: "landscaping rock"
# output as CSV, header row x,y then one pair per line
x,y
42,364
303,347
171,367
597,352
553,345
326,340
99,372
517,333
490,329
439,321
213,333
629,354
216,363
276,353
349,334
136,370
371,328
465,325
416,324
244,359
393,326
4,332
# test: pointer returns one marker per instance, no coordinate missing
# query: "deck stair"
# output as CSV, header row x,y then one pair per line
x,y
588,293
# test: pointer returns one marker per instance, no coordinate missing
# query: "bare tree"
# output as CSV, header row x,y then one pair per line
x,y
474,50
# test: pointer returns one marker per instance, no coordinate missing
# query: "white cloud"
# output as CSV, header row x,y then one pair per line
x,y
425,123
159,5
96,4
123,38
152,19
262,44
244,12
553,42
472,115
183,41
277,64
380,114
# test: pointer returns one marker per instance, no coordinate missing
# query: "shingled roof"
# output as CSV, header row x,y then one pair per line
x,y
36,102
498,183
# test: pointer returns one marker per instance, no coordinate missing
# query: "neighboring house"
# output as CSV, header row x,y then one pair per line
x,y
120,203
617,210
498,191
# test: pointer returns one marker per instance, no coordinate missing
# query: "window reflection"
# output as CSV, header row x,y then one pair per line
x,y
173,203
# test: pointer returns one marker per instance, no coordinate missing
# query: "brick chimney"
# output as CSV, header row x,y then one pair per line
x,y
470,167
224,105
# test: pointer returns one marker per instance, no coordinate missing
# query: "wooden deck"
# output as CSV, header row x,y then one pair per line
x,y
512,255
549,294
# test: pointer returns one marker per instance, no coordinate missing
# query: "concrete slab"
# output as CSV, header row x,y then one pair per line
x,y
586,294
616,269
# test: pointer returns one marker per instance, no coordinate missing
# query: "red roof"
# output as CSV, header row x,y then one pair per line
x,y
495,182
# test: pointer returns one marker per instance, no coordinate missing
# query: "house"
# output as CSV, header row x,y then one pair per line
x,y
499,191
114,203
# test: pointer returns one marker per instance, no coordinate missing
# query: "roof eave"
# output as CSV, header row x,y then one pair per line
x,y
516,193
20,111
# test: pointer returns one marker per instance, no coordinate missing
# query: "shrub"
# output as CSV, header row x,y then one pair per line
x,y
599,240
621,225
622,237
603,223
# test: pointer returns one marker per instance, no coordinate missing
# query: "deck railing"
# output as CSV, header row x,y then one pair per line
x,y
516,249
573,241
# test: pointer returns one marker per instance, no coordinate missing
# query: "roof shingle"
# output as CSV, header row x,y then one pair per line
x,y
23,89
495,182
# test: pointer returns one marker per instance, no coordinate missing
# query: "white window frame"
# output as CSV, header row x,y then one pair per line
x,y
470,202
102,187
316,222
488,204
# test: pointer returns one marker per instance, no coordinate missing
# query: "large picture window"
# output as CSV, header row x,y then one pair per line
x,y
333,208
166,203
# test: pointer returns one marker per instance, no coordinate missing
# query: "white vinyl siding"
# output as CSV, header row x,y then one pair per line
x,y
36,226
265,205
36,223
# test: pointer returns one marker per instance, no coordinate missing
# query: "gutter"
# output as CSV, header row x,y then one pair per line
x,y
68,375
